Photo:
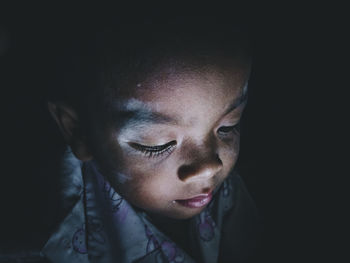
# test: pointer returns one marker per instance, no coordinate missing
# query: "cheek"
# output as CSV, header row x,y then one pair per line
x,y
229,151
149,189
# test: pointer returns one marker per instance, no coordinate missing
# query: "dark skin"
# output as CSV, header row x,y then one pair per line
x,y
180,140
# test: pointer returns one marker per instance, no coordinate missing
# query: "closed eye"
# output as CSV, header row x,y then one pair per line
x,y
224,130
156,150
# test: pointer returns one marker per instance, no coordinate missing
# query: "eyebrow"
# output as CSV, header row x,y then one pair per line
x,y
135,113
239,101
139,117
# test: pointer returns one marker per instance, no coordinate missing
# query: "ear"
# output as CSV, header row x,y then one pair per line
x,y
68,122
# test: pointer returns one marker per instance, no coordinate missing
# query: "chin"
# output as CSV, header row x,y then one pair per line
x,y
183,215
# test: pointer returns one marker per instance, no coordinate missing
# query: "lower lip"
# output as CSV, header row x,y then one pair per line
x,y
196,202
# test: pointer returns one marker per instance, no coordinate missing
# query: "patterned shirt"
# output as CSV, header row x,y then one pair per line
x,y
104,227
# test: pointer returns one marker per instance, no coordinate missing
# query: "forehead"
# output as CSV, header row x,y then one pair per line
x,y
185,92
176,76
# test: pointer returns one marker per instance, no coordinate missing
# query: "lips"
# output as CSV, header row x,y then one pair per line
x,y
197,201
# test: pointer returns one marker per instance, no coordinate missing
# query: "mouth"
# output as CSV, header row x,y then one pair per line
x,y
196,201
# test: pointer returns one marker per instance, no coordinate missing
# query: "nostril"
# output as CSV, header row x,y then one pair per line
x,y
185,171
218,159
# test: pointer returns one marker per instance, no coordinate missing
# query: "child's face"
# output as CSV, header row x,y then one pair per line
x,y
175,138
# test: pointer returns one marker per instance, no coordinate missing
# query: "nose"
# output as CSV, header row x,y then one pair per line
x,y
201,168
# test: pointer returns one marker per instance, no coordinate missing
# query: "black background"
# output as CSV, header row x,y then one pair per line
x,y
285,148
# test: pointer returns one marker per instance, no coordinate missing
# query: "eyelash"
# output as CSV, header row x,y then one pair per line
x,y
159,150
229,129
155,151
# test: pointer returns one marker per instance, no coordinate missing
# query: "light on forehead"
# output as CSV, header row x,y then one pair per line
x,y
130,105
135,104
133,112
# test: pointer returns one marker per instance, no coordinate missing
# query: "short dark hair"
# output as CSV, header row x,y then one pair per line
x,y
95,61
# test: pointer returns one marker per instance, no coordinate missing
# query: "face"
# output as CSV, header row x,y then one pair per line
x,y
175,137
